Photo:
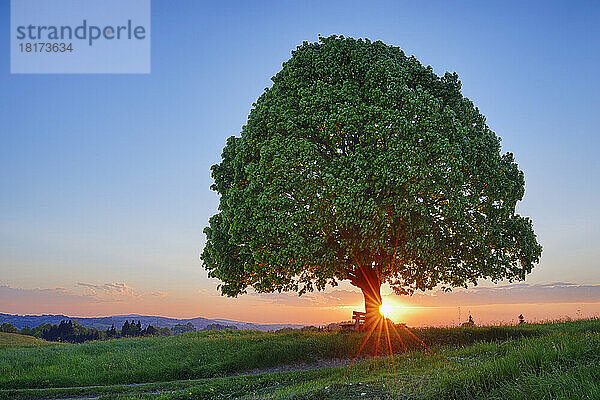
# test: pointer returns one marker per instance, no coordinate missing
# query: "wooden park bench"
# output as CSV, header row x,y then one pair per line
x,y
358,322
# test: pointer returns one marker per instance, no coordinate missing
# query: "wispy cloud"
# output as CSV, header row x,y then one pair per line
x,y
89,295
10,294
116,291
110,289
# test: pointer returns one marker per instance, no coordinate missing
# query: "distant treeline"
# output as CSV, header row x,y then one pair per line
x,y
73,332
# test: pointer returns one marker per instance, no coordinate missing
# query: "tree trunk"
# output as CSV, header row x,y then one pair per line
x,y
372,296
367,280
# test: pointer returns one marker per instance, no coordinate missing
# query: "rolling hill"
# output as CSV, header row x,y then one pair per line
x,y
14,339
102,323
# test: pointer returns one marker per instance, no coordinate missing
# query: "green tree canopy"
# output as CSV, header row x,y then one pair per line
x,y
360,163
8,328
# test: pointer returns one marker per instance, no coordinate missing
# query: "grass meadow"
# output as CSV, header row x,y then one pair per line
x,y
16,340
558,360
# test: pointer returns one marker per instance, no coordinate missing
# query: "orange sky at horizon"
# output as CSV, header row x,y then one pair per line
x,y
487,305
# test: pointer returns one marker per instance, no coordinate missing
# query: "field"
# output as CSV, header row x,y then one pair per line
x,y
534,361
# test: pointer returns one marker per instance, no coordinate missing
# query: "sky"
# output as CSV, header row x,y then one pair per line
x,y
104,178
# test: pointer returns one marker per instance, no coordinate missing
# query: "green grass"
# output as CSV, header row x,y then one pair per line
x,y
16,340
545,361
186,356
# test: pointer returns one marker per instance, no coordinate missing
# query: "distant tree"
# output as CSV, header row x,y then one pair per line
x,y
111,332
125,329
132,331
219,327
311,328
39,330
287,330
150,331
8,328
181,328
69,331
94,334
361,164
164,331
73,332
26,330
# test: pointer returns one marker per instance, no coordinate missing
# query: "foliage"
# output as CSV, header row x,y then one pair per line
x,y
37,331
73,332
8,328
69,331
182,328
219,327
360,163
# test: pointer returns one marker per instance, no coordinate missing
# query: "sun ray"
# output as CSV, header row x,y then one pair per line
x,y
387,334
417,339
364,342
378,339
404,347
385,330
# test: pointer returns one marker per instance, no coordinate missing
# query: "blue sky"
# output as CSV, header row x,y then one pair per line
x,y
105,178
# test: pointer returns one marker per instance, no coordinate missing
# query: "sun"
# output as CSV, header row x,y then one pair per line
x,y
385,310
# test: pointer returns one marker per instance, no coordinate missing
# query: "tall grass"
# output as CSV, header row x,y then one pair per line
x,y
186,356
553,366
513,367
502,362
